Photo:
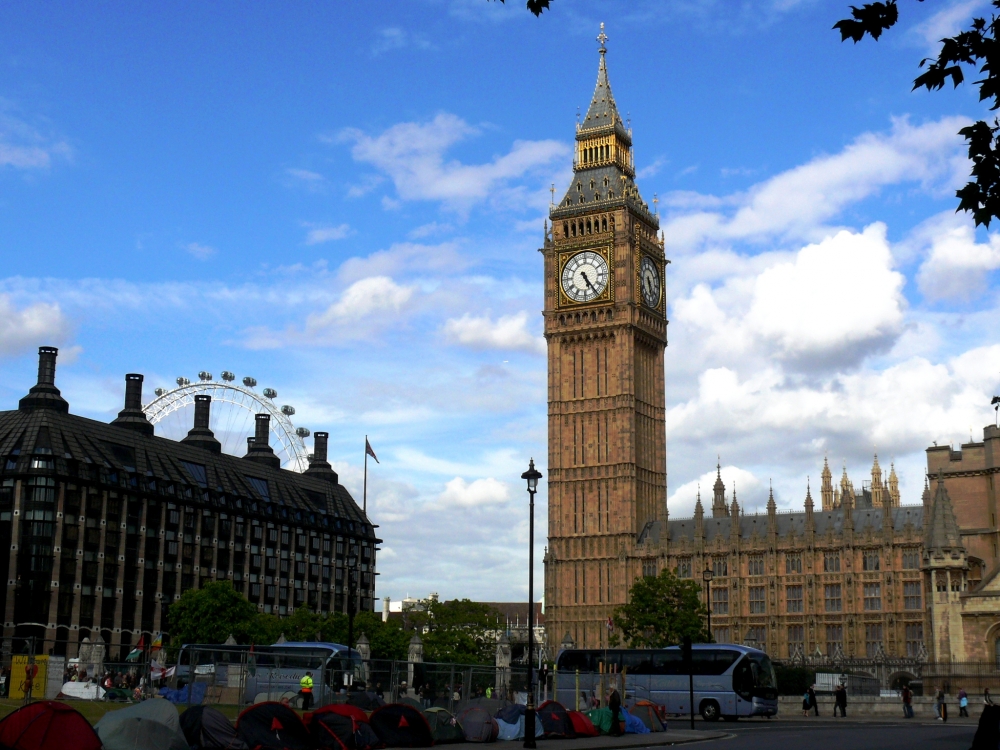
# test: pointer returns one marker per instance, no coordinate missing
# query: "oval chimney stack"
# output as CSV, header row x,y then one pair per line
x,y
44,394
201,436
132,417
318,465
259,450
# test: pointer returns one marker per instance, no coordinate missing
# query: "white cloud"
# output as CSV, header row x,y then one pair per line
x,y
413,156
957,267
478,493
829,304
376,295
200,251
947,22
838,298
394,38
797,203
23,329
306,175
25,147
507,332
320,234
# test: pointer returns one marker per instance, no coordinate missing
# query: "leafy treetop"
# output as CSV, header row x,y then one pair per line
x,y
661,610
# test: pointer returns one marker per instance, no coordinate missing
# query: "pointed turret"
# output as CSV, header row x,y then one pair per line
x,y
734,513
772,512
942,535
809,508
719,509
878,500
893,486
604,166
699,517
826,489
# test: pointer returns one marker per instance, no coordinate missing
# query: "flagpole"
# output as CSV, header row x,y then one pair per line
x,y
365,498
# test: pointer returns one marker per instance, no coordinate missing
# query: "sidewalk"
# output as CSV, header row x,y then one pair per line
x,y
607,742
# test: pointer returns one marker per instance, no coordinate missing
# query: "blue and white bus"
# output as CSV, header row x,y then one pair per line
x,y
730,681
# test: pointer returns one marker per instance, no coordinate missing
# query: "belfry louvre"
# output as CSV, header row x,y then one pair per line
x,y
108,524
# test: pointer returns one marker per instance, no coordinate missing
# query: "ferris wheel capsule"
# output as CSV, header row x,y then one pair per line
x,y
183,382
288,410
302,432
249,382
159,391
228,376
204,375
270,393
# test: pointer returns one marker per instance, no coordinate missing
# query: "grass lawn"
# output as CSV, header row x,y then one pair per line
x,y
94,710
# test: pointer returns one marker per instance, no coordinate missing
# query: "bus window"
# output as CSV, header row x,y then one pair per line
x,y
668,662
570,661
714,661
743,680
637,662
763,671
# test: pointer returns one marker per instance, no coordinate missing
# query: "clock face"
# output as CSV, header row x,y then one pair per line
x,y
649,277
585,276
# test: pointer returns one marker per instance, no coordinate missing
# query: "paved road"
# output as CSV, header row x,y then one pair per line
x,y
870,734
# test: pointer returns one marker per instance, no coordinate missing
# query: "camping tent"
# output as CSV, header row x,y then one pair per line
x,y
399,725
515,730
151,725
583,726
368,701
338,724
407,700
492,705
511,712
478,725
600,718
646,712
207,727
444,726
47,725
555,720
86,691
272,726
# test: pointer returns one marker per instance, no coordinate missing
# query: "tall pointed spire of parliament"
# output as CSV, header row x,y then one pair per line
x,y
603,114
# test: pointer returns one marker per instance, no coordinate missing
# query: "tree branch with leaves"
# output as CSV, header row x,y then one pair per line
x,y
979,49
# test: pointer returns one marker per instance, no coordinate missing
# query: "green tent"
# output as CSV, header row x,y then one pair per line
x,y
443,726
601,718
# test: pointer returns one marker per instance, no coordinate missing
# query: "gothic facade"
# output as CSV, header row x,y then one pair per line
x,y
606,329
842,581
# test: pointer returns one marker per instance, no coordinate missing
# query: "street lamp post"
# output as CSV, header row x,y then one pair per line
x,y
707,577
532,475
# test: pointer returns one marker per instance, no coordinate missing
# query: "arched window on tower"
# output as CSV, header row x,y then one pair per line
x,y
604,224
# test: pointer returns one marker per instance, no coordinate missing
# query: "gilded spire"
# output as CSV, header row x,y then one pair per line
x,y
735,507
719,494
826,492
603,112
602,38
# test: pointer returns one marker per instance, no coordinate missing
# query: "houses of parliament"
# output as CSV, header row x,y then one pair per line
x,y
858,575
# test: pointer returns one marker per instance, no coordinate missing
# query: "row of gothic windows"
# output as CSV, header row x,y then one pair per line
x,y
588,226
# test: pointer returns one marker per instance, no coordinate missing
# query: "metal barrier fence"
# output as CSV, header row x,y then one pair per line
x,y
923,677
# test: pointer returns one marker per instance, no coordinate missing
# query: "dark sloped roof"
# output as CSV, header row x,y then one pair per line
x,y
787,524
83,445
603,112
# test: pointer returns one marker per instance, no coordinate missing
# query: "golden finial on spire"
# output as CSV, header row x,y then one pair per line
x,y
602,38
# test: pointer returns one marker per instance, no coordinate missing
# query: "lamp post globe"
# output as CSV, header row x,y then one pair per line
x,y
531,476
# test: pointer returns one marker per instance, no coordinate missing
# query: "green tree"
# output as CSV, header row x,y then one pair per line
x,y
536,6
661,610
388,639
459,630
979,49
211,614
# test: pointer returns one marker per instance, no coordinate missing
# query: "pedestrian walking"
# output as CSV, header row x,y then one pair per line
x,y
615,703
840,701
812,699
806,705
907,702
963,703
986,697
940,707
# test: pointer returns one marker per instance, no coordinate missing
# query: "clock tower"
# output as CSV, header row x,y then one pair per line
x,y
606,331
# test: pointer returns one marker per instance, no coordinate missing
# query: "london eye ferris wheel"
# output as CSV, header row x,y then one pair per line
x,y
234,406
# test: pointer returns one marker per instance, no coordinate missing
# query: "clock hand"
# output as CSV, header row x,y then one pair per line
x,y
584,274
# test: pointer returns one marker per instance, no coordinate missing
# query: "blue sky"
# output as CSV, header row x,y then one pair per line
x,y
345,200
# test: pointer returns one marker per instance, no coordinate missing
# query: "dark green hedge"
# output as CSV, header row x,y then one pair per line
x,y
794,680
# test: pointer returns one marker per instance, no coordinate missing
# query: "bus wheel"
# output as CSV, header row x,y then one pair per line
x,y
710,710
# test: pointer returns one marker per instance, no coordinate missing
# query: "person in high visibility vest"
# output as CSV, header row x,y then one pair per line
x,y
306,688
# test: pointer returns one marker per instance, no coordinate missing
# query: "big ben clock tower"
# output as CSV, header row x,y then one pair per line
x,y
606,328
